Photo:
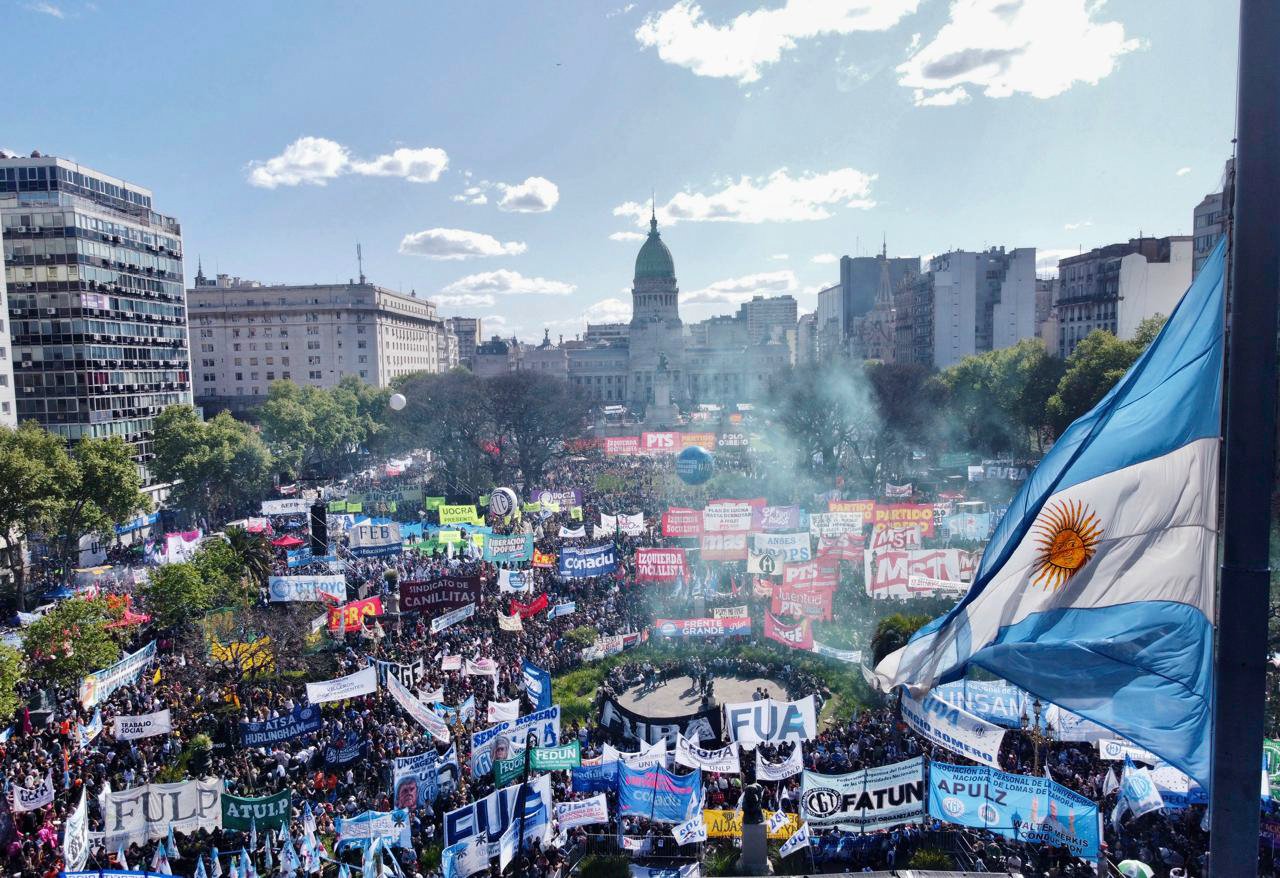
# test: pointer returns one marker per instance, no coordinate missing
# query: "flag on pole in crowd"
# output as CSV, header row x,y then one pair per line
x,y
1138,793
268,856
171,844
122,861
283,834
796,841
371,865
1109,783
344,871
253,834
200,872
157,857
1096,592
777,820
215,864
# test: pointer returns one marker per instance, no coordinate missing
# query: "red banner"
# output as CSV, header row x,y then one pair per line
x,y
353,614
661,565
531,609
659,443
724,547
797,636
544,559
904,515
813,603
896,538
822,573
618,446
841,547
761,587
679,522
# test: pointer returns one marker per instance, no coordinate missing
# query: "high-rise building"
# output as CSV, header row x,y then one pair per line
x,y
1090,293
8,409
807,339
247,335
467,330
1208,220
769,318
97,317
861,278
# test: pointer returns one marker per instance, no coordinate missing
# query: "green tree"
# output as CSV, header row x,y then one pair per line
x,y
822,413
996,401
34,465
251,555
219,468
893,632
12,672
1094,367
451,415
69,641
177,593
533,415
311,431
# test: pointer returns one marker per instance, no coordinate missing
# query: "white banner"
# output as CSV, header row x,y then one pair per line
x,y
515,580
140,814
584,812
25,799
608,525
1113,749
726,517
453,662
753,722
481,667
287,506
830,524
791,548
691,831
419,712
509,623
739,612
631,525
97,686
574,533
504,711
453,617
307,588
360,683
131,728
789,767
876,798
368,540
75,838
722,761
852,656
954,729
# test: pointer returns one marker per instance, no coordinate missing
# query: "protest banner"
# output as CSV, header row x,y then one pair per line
x,y
779,519
865,508
784,548
598,776
145,813
417,780
264,812
739,612
631,726
418,712
577,563
728,824
531,609
680,522
453,617
727,516
812,603
559,498
830,524
888,573
658,795
99,685
511,581
810,574
851,656
362,682
286,506
410,673
952,728
75,836
661,565
508,549
544,560
631,525
789,767
22,798
390,827
724,546
1027,808
723,760
871,799
561,758
462,513
302,720
702,627
132,728
584,812
797,636
895,537
314,589
489,818
439,594
503,711
562,609
904,514
841,547
501,740
621,446
537,683
350,617
374,540
1117,750
755,722
660,442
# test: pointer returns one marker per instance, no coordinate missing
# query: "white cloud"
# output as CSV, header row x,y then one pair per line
x,y
776,198
48,9
534,195
608,311
752,40
465,300
736,290
825,258
457,244
780,257
507,282
1007,47
1083,224
471,195
317,160
626,236
622,10
1182,172
1047,258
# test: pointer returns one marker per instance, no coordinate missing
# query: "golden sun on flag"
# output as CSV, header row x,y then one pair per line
x,y
1067,533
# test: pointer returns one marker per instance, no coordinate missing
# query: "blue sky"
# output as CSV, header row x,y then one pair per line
x,y
773,132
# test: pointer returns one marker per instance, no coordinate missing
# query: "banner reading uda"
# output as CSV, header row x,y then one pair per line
x,y
658,795
754,722
438,595
585,563
1031,809
631,726
508,549
661,565
374,540
681,522
145,813
875,798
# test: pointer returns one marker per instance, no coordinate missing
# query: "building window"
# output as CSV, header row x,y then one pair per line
x,y
314,374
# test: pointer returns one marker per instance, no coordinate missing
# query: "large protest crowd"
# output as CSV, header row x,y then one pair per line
x,y
340,762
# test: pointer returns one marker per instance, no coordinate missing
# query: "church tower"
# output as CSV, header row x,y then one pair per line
x,y
656,331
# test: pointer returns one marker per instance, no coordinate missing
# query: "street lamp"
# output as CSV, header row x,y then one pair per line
x,y
1040,733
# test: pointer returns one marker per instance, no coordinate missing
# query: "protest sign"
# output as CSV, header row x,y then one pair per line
x,y
453,617
131,728
702,627
350,617
661,565
875,798
952,728
631,726
307,588
754,722
362,682
657,794
374,540
577,563
302,720
265,812
99,685
504,738
140,814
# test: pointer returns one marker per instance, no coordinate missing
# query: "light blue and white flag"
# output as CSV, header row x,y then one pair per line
x,y
798,840
1138,793
215,864
200,872
171,844
537,683
1096,591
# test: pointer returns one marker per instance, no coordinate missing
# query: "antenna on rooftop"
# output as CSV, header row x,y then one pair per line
x,y
360,262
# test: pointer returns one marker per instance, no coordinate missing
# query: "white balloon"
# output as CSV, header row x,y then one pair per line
x,y
397,402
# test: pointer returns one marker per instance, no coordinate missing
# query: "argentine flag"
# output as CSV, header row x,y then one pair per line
x,y
1096,592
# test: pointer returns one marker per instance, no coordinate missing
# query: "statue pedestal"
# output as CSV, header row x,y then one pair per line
x,y
755,850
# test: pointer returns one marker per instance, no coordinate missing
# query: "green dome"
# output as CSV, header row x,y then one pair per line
x,y
654,259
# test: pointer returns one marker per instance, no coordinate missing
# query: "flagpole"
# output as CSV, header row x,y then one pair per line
x,y
1249,432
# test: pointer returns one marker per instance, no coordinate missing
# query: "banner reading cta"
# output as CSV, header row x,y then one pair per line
x,y
661,565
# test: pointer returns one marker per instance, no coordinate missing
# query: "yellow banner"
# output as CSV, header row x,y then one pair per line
x,y
728,824
254,657
463,514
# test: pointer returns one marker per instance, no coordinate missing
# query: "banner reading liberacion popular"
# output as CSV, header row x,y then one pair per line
x,y
508,549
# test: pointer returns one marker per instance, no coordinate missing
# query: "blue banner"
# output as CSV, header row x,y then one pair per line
x,y
1026,809
657,794
300,721
299,557
585,563
995,701
537,682
601,778
338,754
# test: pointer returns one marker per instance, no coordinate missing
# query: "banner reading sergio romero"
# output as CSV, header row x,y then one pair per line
x,y
874,798
585,563
500,741
1033,809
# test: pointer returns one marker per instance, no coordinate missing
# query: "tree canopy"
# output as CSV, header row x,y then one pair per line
x,y
220,468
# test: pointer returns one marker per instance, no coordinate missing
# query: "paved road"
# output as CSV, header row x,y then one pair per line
x,y
676,698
